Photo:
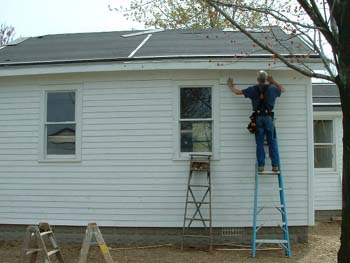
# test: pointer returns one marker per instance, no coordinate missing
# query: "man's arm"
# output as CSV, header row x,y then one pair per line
x,y
231,86
275,83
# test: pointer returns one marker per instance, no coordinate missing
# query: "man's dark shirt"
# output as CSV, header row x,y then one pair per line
x,y
270,95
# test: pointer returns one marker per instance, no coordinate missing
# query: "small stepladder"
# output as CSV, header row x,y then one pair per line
x,y
284,242
198,197
93,231
34,243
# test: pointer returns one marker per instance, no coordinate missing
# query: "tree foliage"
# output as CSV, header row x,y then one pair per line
x,y
6,34
174,14
325,26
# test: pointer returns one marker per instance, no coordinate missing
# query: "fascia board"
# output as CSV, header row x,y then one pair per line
x,y
195,64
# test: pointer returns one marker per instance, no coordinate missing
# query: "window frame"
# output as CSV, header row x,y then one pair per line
x,y
214,85
44,157
333,143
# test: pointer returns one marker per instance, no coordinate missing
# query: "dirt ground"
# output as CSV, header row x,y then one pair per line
x,y
322,247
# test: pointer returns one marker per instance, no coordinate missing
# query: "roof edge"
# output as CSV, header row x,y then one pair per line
x,y
147,58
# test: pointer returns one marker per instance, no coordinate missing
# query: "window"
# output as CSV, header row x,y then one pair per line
x,y
60,125
196,119
324,146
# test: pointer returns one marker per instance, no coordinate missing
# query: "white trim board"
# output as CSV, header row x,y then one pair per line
x,y
189,64
310,149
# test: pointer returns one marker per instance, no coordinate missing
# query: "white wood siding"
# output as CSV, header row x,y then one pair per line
x,y
328,185
128,175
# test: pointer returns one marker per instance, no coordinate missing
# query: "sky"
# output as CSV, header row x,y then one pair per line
x,y
43,17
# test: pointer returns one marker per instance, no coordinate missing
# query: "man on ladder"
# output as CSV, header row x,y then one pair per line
x,y
263,97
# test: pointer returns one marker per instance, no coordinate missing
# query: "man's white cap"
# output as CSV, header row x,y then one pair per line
x,y
262,75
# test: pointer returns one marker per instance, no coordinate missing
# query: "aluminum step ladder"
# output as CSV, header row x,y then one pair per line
x,y
284,242
198,200
36,242
92,237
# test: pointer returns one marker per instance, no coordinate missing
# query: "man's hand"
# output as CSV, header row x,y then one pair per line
x,y
271,80
231,85
275,83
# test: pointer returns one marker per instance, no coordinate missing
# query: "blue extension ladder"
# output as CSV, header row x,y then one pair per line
x,y
284,242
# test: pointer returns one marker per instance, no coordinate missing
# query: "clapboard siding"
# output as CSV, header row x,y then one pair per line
x,y
128,174
19,126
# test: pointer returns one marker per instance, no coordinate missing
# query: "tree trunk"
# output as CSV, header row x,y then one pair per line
x,y
343,254
343,81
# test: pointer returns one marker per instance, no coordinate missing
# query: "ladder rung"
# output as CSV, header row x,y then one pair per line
x,y
32,250
198,202
45,233
52,252
268,173
271,241
270,207
197,219
199,185
197,236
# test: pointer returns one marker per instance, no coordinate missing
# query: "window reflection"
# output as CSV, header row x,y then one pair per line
x,y
60,106
323,156
195,103
323,130
196,136
61,139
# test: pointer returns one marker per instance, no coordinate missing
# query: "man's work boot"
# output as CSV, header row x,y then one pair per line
x,y
275,169
260,169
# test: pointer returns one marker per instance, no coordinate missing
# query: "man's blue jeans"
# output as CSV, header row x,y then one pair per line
x,y
265,126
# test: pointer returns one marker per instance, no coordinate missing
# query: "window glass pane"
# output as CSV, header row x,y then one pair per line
x,y
60,106
323,131
60,139
195,103
196,136
323,156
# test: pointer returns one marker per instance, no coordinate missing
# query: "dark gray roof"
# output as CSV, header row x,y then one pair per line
x,y
325,97
112,46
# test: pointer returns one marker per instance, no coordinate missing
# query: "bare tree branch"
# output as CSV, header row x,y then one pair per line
x,y
6,34
274,13
305,72
318,20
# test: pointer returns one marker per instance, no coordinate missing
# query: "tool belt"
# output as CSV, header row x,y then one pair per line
x,y
263,113
252,124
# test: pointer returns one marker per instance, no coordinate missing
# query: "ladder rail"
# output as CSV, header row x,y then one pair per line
x,y
284,215
256,192
283,203
210,214
186,207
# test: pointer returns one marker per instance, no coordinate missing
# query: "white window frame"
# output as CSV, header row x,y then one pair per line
x,y
333,144
214,85
43,157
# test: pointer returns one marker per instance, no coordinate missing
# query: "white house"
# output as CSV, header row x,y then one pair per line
x,y
97,127
328,147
